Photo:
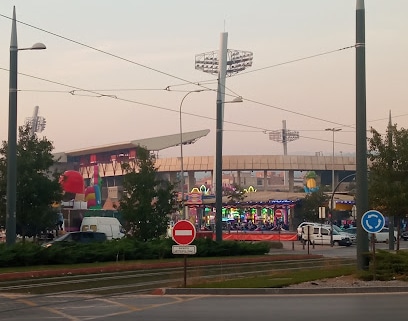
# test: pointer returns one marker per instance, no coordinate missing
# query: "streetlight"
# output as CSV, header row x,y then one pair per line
x,y
333,130
12,134
235,100
181,153
333,187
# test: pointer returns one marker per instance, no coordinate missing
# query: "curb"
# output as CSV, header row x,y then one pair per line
x,y
279,291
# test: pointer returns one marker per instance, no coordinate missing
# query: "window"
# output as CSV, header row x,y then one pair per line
x,y
325,231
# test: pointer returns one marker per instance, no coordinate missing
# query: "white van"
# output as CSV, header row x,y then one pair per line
x,y
320,235
108,225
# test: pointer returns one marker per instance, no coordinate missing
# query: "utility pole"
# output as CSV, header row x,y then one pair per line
x,y
361,138
390,163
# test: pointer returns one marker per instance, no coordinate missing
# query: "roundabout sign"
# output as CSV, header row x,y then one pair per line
x,y
372,221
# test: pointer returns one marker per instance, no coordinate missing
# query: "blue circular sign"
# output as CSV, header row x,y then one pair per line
x,y
373,221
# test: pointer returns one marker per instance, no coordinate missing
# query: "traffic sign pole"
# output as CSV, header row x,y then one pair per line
x,y
372,222
183,234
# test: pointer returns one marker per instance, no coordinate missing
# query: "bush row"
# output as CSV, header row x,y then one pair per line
x,y
30,254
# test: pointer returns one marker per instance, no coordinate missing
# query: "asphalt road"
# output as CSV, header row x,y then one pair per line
x,y
334,307
337,251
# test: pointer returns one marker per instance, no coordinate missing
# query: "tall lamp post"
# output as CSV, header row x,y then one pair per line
x,y
333,130
181,155
224,62
12,135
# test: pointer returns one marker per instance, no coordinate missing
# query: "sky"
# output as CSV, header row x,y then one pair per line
x,y
116,71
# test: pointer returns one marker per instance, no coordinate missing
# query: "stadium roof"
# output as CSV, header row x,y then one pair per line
x,y
152,144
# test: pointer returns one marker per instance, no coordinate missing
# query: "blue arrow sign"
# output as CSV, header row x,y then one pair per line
x,y
373,221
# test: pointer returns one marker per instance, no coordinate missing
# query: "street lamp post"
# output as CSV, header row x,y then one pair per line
x,y
333,130
12,135
181,155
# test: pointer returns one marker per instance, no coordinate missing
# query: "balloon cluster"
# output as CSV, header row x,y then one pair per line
x,y
93,192
72,182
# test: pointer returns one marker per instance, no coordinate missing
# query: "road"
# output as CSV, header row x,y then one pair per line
x,y
199,307
296,247
373,307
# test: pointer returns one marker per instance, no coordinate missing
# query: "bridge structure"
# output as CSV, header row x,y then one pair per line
x,y
322,165
107,161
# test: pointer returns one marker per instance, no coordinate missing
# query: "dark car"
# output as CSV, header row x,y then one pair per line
x,y
79,237
404,235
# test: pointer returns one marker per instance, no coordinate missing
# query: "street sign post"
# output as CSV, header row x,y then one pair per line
x,y
372,222
184,232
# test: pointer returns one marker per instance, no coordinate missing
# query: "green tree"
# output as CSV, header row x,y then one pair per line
x,y
147,201
235,193
388,172
309,209
37,187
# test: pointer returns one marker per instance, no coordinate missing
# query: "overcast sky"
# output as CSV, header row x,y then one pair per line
x,y
103,78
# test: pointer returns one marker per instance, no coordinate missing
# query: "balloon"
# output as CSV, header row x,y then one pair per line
x,y
93,196
72,182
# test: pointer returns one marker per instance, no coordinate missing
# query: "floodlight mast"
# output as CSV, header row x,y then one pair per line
x,y
237,60
284,136
36,123
224,62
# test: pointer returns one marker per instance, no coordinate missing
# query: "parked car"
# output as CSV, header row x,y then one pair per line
x,y
383,235
320,234
300,228
79,237
351,230
404,235
108,225
336,229
351,236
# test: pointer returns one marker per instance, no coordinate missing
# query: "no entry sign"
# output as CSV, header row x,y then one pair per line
x,y
184,232
278,213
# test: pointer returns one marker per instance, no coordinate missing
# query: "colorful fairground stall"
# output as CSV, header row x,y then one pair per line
x,y
272,209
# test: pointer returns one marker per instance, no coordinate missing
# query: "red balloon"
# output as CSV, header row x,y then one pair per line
x,y
72,182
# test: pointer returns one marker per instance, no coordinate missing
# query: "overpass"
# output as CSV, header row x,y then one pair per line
x,y
342,165
108,159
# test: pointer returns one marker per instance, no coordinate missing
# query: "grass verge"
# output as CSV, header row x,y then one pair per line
x,y
278,280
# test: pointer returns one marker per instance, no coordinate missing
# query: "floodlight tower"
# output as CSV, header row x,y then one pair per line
x,y
284,136
37,123
224,62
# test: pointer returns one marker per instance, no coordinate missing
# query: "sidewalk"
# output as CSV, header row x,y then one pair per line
x,y
296,247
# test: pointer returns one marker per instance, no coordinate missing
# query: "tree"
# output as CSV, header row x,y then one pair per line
x,y
309,209
37,187
147,201
235,193
388,172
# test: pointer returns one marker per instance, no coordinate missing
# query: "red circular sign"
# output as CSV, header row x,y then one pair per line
x,y
278,213
184,232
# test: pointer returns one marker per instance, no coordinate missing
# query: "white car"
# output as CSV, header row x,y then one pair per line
x,y
383,235
337,229
301,225
320,235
